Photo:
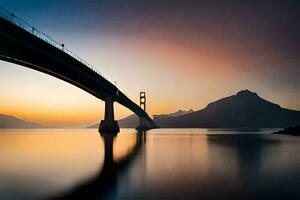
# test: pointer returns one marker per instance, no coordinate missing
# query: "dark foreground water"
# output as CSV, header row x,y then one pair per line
x,y
161,164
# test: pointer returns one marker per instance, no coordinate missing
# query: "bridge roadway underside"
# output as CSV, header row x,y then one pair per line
x,y
23,48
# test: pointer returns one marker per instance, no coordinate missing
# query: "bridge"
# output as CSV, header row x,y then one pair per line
x,y
23,44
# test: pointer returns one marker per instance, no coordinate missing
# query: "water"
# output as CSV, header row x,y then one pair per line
x,y
161,164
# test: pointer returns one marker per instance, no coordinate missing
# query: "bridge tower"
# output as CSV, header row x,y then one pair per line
x,y
143,122
109,125
143,100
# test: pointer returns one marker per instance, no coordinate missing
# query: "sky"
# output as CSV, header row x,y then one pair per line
x,y
183,54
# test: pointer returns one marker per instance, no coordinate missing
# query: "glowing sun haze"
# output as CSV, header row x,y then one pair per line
x,y
184,54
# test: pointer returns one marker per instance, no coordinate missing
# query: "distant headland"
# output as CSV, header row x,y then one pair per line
x,y
11,122
290,131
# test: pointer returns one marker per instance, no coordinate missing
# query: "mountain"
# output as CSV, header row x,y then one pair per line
x,y
7,122
132,121
245,109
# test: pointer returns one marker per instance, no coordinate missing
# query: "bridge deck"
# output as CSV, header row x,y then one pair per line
x,y
22,44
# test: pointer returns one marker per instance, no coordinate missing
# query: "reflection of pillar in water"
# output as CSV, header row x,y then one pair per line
x,y
141,165
108,150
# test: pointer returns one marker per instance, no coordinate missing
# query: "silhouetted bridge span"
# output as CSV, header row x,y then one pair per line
x,y
25,45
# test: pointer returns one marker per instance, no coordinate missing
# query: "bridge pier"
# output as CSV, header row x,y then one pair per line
x,y
144,124
109,125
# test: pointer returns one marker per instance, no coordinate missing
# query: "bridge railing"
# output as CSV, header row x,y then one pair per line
x,y
5,14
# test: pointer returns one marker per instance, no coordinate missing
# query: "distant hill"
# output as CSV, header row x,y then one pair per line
x,y
132,121
290,131
175,114
11,122
243,110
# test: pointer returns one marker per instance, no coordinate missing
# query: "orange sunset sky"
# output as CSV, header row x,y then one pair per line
x,y
182,56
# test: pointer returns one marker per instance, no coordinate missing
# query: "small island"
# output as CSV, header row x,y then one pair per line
x,y
290,131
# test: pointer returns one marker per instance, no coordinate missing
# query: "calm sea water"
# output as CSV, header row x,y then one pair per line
x,y
159,164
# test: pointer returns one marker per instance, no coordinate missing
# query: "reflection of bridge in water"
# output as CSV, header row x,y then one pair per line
x,y
23,44
103,183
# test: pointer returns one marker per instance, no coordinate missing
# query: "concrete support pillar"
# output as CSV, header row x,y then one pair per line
x,y
143,124
109,125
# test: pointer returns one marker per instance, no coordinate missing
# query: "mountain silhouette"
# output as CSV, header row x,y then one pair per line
x,y
8,121
132,121
243,110
175,114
